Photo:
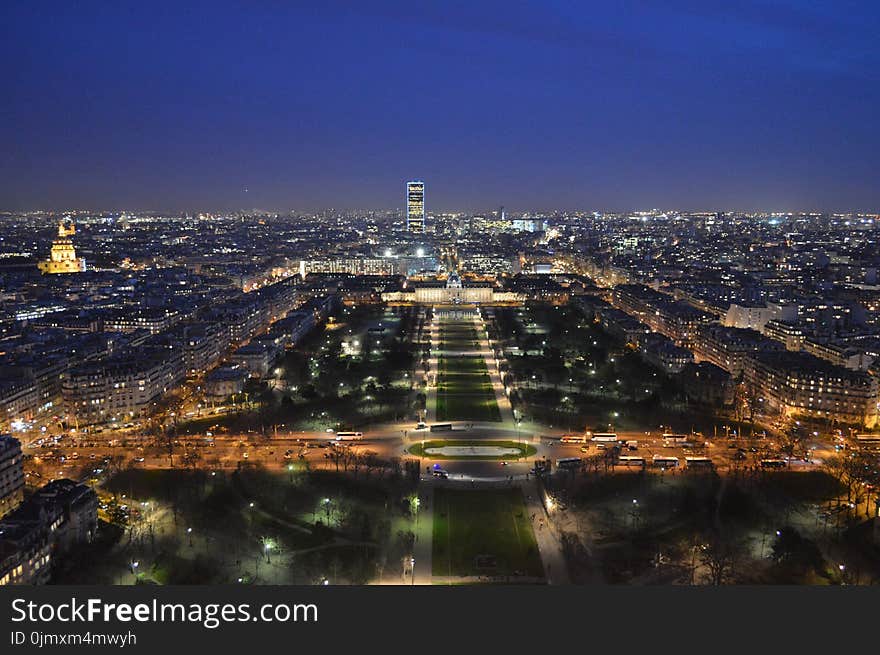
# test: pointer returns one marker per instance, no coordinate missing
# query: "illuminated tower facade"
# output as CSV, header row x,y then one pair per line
x,y
62,257
415,206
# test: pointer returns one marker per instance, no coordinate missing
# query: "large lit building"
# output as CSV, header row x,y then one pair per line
x,y
415,206
349,266
452,291
62,257
11,474
799,384
121,388
56,518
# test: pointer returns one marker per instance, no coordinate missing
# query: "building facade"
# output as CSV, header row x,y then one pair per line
x,y
799,384
11,474
415,206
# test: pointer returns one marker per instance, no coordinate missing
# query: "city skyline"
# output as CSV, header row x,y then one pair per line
x,y
416,295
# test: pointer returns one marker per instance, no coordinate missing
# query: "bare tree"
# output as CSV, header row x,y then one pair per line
x,y
719,555
849,469
191,458
791,442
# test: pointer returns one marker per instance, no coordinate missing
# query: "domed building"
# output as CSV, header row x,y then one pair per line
x,y
62,257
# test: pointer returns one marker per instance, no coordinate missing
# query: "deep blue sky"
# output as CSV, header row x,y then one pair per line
x,y
545,104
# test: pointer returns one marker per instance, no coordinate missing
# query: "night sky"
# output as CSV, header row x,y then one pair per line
x,y
692,104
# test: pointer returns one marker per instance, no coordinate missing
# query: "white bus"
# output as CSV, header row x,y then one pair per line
x,y
773,464
568,463
629,460
573,438
340,436
670,439
868,441
698,462
604,437
660,461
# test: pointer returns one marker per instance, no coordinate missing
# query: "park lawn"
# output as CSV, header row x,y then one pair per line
x,y
491,523
464,375
458,338
464,391
463,365
466,408
464,388
455,347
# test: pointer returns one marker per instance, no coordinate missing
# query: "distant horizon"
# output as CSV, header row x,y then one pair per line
x,y
764,103
401,210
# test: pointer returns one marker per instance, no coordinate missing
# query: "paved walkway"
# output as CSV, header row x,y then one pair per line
x,y
424,531
494,375
549,544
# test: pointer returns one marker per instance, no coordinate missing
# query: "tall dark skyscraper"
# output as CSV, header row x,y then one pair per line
x,y
415,206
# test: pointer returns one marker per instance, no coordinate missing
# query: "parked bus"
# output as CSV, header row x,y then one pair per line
x,y
604,437
868,441
441,427
569,463
629,460
661,461
573,438
340,436
773,464
698,462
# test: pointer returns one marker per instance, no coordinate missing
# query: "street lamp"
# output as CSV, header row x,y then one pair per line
x,y
268,545
189,532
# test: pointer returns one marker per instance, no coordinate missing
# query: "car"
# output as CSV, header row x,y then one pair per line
x,y
503,463
139,459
